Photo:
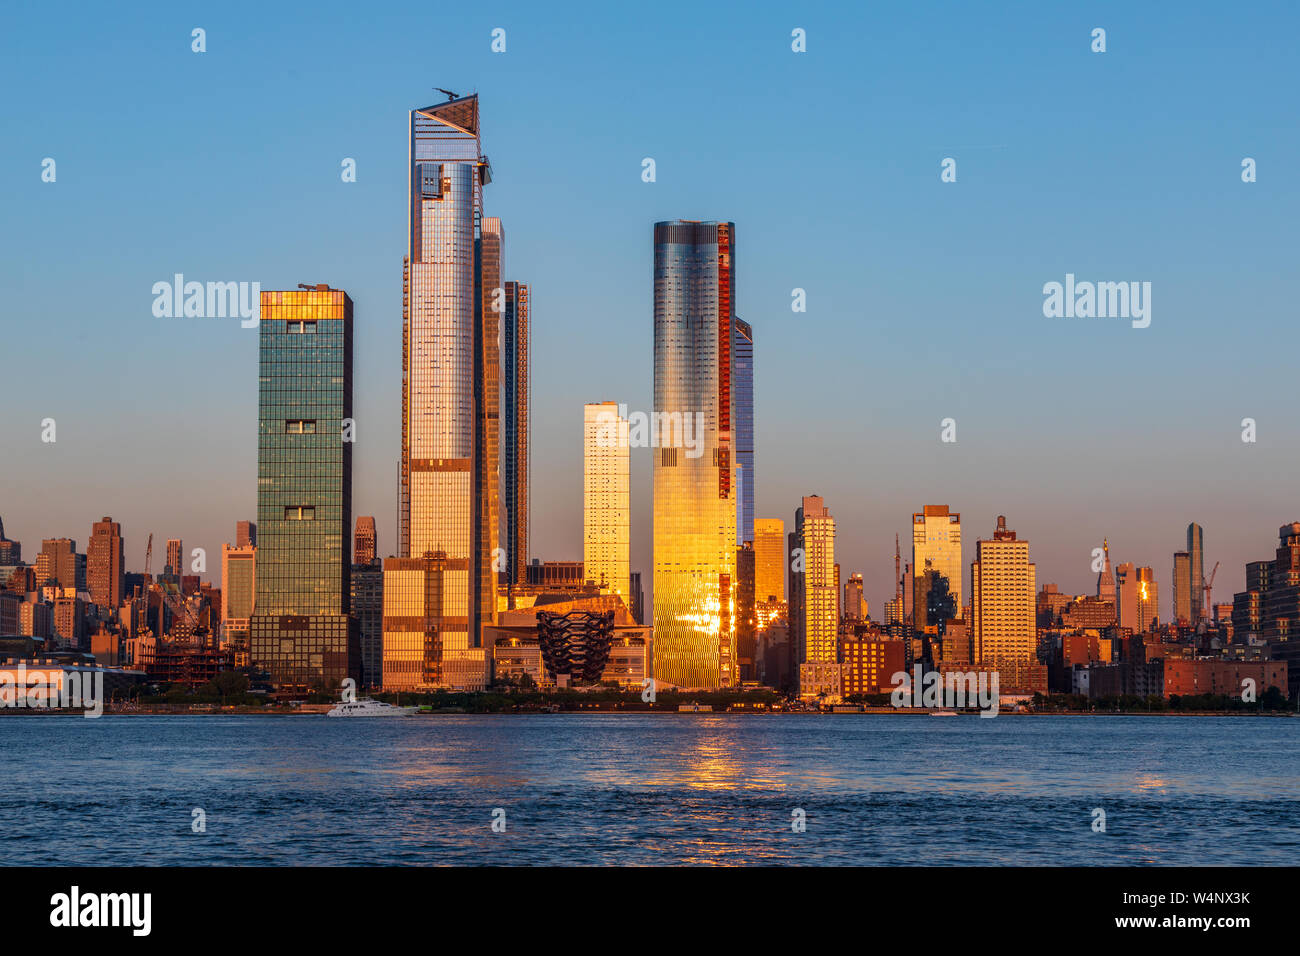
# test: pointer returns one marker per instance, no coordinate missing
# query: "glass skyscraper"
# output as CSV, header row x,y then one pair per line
x,y
452,304
694,486
742,355
301,631
514,448
606,499
1196,561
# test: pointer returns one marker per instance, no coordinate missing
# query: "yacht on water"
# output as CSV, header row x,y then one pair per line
x,y
365,707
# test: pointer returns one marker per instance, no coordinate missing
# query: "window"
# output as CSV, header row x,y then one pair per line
x,y
299,513
300,426
300,328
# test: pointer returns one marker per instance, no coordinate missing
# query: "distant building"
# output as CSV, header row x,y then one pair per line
x,y
1182,588
638,598
817,626
1003,590
60,564
936,538
606,507
368,608
1138,597
246,534
742,379
556,573
746,613
869,663
105,564
364,541
769,560
855,606
11,552
238,591
175,556
1189,677
1196,559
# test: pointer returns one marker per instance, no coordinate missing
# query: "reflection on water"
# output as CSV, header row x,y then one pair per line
x,y
650,790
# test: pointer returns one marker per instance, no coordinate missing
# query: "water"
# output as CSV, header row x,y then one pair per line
x,y
649,790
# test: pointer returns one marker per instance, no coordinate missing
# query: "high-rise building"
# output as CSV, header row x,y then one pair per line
x,y
246,534
414,604
238,590
175,556
105,564
769,560
638,598
742,359
1277,585
1137,597
606,509
365,541
816,631
1106,578
746,614
514,450
452,300
11,552
1196,558
59,562
1003,591
936,538
301,631
368,609
694,471
1182,587
855,606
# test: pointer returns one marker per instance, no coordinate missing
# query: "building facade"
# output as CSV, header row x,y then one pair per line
x,y
606,505
105,564
365,541
936,538
769,560
514,448
693,453
301,632
742,360
1002,590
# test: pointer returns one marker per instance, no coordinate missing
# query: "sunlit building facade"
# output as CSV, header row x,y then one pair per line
x,y
301,632
694,487
414,602
514,412
1003,593
769,560
452,305
606,501
817,631
936,538
1196,562
105,564
742,360
238,587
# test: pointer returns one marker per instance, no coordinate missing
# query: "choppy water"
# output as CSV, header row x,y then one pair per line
x,y
632,789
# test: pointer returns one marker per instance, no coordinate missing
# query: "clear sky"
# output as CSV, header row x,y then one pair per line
x,y
924,298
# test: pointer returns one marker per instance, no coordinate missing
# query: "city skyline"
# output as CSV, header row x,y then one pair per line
x,y
1179,456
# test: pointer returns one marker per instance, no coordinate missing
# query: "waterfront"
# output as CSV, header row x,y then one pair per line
x,y
642,789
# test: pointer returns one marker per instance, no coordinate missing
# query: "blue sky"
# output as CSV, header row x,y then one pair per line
x,y
924,298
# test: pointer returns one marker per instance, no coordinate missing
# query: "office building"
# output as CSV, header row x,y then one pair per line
x,y
1003,588
301,633
742,360
694,468
105,564
516,337
936,538
606,514
365,541
769,560
1196,559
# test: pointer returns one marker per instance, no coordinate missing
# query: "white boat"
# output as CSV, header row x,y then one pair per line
x,y
366,707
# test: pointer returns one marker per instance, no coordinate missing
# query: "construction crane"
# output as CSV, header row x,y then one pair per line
x,y
1207,585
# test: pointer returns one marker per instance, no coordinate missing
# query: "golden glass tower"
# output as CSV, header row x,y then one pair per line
x,y
936,538
691,438
606,506
769,559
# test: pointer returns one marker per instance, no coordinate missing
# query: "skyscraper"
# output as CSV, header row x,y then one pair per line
x,y
11,552
742,357
58,562
514,469
105,564
769,560
1182,587
936,537
1196,558
238,589
450,369
1106,577
301,631
1137,596
175,556
246,534
814,530
855,607
694,482
606,505
365,540
1003,594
